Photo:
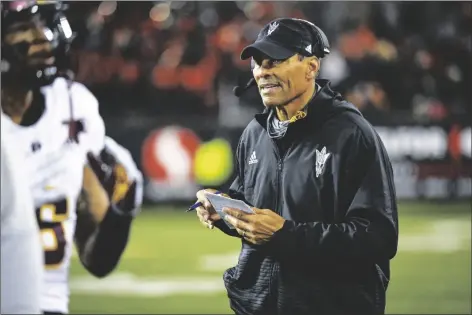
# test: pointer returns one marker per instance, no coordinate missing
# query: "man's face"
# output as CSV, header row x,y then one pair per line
x,y
280,81
33,36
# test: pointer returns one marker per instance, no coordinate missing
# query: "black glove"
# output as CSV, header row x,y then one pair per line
x,y
119,184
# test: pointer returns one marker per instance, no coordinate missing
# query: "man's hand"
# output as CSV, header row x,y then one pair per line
x,y
206,213
255,228
119,176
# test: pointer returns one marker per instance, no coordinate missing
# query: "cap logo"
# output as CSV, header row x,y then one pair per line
x,y
308,48
272,28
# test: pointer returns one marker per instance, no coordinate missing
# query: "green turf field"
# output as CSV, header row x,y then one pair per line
x,y
174,266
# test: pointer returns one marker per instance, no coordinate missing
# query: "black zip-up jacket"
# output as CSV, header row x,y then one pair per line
x,y
331,179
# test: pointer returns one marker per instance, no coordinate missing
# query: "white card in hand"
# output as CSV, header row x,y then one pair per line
x,y
219,202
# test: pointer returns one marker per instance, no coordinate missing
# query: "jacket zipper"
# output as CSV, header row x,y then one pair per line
x,y
279,174
280,164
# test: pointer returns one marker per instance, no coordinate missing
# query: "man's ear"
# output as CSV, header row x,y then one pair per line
x,y
313,67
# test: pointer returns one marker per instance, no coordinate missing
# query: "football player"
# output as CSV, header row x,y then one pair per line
x,y
56,125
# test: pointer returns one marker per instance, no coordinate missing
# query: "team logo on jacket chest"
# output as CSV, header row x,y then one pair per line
x,y
321,158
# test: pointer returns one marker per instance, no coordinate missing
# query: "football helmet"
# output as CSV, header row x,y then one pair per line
x,y
36,38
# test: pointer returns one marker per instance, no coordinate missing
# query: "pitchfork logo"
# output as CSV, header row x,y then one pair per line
x,y
272,28
321,158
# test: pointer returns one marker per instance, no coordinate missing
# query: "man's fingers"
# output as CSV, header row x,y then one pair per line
x,y
206,212
236,213
232,220
202,221
241,232
205,223
201,196
258,211
203,213
238,224
245,234
207,204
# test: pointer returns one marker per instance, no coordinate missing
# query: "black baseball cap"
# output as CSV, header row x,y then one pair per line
x,y
285,37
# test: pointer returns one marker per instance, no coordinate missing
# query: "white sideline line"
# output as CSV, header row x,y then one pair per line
x,y
127,284
444,236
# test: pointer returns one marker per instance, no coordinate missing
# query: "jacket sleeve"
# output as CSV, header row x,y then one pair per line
x,y
369,230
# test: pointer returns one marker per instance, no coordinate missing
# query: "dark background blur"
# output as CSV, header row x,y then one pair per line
x,y
411,59
171,66
163,73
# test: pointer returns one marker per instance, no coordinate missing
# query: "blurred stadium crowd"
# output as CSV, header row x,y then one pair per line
x,y
166,58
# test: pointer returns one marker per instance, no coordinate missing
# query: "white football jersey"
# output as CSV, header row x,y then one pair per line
x,y
55,167
21,264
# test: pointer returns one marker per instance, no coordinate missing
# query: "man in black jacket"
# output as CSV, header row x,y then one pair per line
x,y
320,181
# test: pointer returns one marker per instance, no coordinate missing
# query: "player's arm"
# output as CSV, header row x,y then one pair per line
x,y
102,226
21,251
112,195
101,233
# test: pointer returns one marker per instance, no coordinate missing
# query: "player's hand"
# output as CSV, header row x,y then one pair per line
x,y
119,176
255,228
206,213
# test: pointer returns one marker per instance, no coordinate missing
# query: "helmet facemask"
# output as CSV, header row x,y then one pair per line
x,y
35,43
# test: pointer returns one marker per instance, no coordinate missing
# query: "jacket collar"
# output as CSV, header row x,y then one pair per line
x,y
325,104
